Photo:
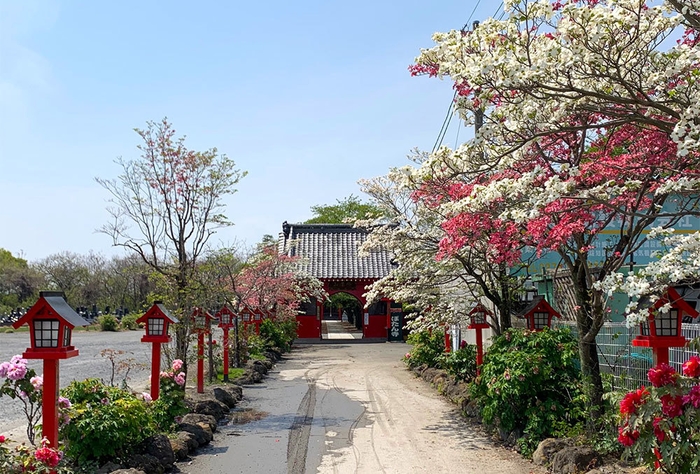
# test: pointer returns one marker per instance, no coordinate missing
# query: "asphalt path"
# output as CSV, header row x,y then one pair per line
x,y
349,408
88,364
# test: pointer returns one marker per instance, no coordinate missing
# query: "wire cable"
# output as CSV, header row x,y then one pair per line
x,y
466,25
445,124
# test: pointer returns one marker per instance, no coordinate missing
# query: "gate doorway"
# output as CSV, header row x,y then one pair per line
x,y
342,317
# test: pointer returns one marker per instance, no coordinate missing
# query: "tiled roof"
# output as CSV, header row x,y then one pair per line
x,y
330,251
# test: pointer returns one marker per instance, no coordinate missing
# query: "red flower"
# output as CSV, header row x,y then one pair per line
x,y
2,439
632,400
691,367
48,456
693,397
627,437
662,374
659,431
671,406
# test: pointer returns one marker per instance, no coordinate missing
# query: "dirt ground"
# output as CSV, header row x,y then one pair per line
x,y
352,408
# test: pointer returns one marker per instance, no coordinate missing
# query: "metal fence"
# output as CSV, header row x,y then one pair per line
x,y
627,365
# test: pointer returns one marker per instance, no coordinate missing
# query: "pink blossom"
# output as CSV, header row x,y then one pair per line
x,y
177,364
180,379
4,368
37,382
693,397
146,397
16,371
63,402
18,360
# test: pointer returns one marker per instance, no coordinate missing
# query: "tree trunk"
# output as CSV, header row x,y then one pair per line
x,y
588,317
593,383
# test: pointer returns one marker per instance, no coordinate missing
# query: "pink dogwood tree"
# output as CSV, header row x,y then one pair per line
x,y
591,122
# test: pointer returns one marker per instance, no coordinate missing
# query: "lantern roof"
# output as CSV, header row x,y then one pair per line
x,y
199,311
157,311
479,308
52,302
672,296
538,304
225,310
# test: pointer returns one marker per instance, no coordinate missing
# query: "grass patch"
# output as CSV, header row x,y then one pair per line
x,y
232,374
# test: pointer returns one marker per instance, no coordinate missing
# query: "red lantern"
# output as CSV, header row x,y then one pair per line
x,y
201,323
663,328
156,320
226,321
478,321
51,322
539,314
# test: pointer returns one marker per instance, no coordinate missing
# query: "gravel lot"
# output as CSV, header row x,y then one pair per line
x,y
89,364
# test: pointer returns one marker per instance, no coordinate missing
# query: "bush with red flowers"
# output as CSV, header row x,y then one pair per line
x,y
22,459
660,425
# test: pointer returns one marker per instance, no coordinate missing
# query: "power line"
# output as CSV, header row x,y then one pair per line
x,y
464,28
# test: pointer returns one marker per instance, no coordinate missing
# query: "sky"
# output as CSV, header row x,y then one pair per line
x,y
308,97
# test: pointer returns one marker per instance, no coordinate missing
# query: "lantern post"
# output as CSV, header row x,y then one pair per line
x,y
201,321
663,329
257,319
51,322
225,317
247,317
477,321
156,322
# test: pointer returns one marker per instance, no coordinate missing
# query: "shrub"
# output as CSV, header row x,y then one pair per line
x,y
128,322
661,424
530,385
256,345
278,334
461,364
108,322
428,348
105,422
171,402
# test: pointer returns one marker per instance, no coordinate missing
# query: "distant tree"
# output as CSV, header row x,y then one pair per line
x,y
166,205
19,282
66,272
349,209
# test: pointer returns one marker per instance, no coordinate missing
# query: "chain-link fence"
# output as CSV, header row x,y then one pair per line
x,y
627,365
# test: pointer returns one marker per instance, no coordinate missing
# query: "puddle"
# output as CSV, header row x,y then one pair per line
x,y
246,415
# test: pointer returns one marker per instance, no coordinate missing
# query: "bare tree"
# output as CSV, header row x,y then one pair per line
x,y
166,205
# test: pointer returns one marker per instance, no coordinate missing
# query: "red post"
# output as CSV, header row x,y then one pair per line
x,y
448,346
660,355
479,351
225,354
49,402
155,371
200,362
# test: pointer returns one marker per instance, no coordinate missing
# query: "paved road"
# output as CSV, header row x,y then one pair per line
x,y
87,364
349,409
